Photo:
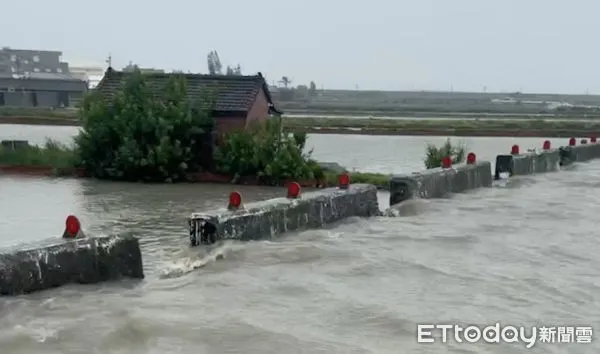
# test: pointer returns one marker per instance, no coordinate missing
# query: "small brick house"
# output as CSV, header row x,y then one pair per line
x,y
239,100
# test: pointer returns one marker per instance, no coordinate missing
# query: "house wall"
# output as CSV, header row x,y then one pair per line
x,y
42,85
40,98
75,98
259,110
227,124
41,93
28,98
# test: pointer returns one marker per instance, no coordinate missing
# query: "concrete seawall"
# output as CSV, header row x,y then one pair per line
x,y
579,153
56,262
527,164
548,160
272,217
269,218
438,182
75,258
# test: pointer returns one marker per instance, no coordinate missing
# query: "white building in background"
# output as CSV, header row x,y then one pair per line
x,y
90,73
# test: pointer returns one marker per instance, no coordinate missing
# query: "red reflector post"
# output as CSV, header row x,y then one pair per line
x,y
514,150
471,158
72,227
593,140
572,142
235,201
446,162
343,180
293,190
546,145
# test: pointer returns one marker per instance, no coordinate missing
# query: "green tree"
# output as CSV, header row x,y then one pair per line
x,y
130,67
312,89
234,71
285,81
214,63
138,135
264,152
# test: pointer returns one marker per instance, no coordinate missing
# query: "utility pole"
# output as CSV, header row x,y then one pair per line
x,y
109,60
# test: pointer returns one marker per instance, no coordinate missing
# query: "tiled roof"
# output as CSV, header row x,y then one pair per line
x,y
233,93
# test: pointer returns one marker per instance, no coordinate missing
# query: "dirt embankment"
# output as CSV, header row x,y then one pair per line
x,y
443,129
530,133
59,121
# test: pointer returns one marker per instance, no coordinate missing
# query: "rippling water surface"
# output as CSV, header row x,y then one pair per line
x,y
522,254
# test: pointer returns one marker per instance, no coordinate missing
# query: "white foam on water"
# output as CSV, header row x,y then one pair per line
x,y
207,255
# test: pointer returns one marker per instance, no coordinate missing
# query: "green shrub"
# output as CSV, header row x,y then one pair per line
x,y
379,180
139,136
52,154
263,151
434,154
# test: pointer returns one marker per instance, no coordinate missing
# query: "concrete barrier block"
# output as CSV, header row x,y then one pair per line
x,y
266,219
528,164
567,155
579,153
57,262
438,182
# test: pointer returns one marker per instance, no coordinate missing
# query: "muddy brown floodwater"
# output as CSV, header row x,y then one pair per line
x,y
523,253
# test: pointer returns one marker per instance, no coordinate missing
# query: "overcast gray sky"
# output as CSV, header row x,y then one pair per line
x,y
532,45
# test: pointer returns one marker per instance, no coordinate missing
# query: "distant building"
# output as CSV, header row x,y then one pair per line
x,y
41,90
90,73
22,61
239,99
37,78
131,67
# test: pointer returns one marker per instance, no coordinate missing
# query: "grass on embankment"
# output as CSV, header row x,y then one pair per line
x,y
52,154
380,180
440,127
432,109
436,123
345,111
40,116
41,112
63,159
345,125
